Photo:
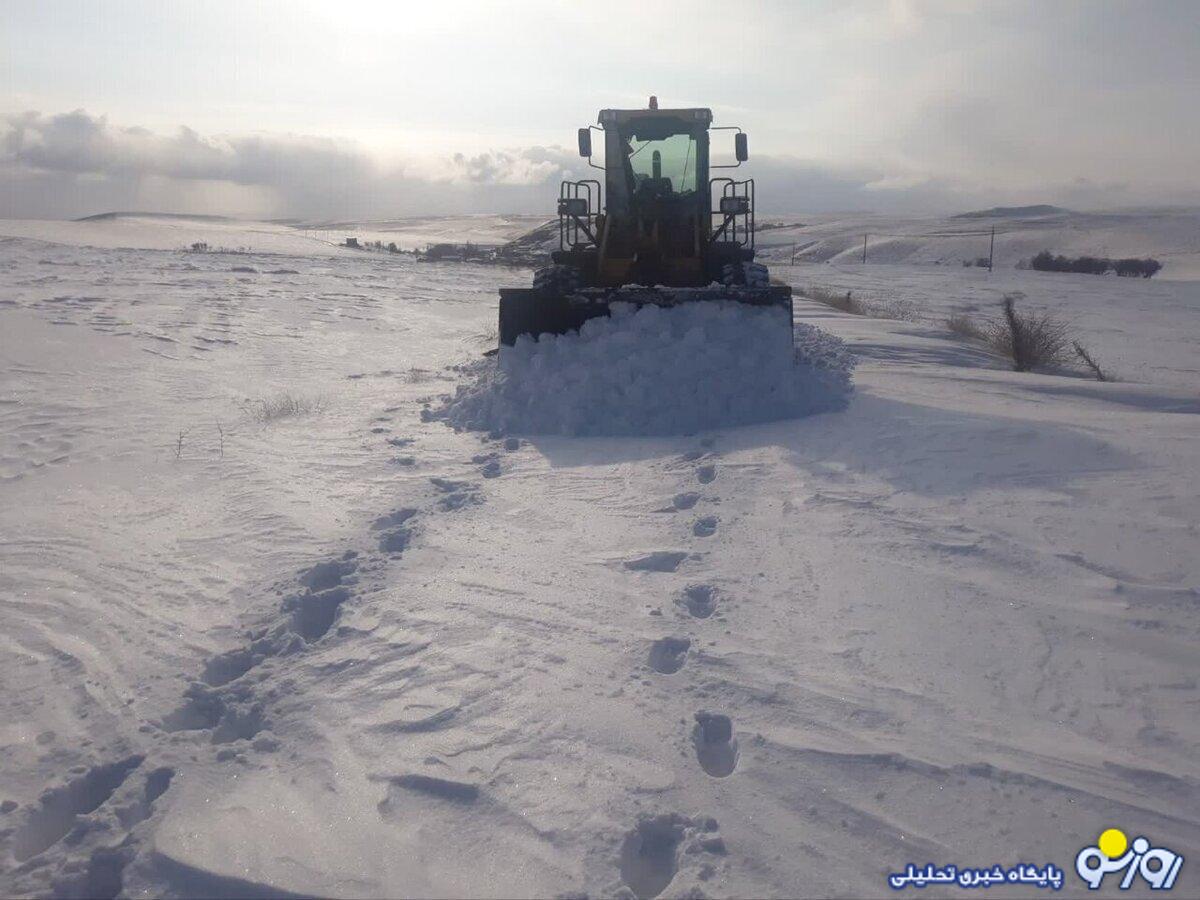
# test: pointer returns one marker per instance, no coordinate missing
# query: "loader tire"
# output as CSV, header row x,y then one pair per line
x,y
745,273
557,280
756,274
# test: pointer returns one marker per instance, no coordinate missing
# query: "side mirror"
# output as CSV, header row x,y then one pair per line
x,y
740,148
585,142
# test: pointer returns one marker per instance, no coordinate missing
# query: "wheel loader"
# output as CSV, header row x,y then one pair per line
x,y
656,230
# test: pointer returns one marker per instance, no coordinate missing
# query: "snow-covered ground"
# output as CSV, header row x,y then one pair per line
x,y
1144,331
170,232
270,627
1170,235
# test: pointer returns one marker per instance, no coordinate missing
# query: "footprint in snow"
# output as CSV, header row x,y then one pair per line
x,y
328,587
706,474
393,519
456,494
650,853
651,850
489,465
395,542
680,502
59,808
700,600
667,655
716,748
230,666
705,527
329,574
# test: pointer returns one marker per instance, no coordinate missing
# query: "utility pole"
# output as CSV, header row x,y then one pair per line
x,y
865,247
992,249
793,253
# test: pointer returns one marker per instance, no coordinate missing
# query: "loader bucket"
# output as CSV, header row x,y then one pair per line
x,y
534,311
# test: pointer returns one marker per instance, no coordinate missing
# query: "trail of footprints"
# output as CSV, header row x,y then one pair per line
x,y
228,704
99,800
650,854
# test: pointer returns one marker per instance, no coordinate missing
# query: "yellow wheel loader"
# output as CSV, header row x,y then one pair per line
x,y
657,230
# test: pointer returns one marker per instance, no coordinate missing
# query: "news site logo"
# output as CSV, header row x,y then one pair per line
x,y
1114,853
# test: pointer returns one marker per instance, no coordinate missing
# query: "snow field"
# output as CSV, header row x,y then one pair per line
x,y
354,653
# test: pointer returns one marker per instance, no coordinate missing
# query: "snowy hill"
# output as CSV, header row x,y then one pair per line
x,y
1015,212
1171,236
272,628
163,231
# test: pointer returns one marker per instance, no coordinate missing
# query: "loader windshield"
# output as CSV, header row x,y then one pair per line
x,y
665,165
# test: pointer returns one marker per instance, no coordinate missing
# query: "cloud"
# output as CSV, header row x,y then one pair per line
x,y
75,164
78,143
529,166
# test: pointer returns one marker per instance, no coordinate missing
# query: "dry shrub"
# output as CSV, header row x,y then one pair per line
x,y
965,327
1029,340
1088,360
847,302
283,405
835,298
489,334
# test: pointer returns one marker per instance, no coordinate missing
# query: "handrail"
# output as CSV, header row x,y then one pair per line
x,y
736,213
571,221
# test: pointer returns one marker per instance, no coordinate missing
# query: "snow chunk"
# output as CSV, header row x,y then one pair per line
x,y
654,371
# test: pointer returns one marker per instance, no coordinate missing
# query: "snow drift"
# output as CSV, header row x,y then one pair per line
x,y
656,371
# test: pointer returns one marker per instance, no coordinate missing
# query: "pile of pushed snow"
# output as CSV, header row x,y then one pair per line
x,y
655,371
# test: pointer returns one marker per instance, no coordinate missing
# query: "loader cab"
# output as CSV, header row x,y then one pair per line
x,y
656,161
657,217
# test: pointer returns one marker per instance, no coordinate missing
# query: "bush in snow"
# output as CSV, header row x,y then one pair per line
x,y
1030,340
1088,265
284,405
656,371
964,326
1095,265
1134,268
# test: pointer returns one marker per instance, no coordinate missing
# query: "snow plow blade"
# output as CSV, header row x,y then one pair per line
x,y
535,312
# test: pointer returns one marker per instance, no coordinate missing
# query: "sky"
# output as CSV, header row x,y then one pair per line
x,y
328,111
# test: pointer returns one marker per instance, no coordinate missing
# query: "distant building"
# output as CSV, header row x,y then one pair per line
x,y
352,242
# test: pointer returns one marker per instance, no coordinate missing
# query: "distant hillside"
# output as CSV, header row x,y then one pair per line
x,y
1014,212
101,217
